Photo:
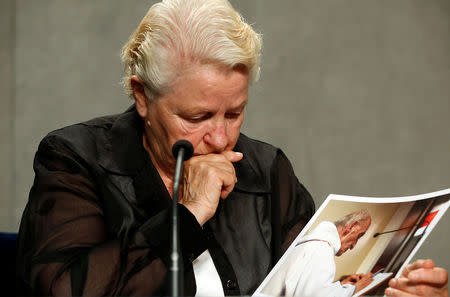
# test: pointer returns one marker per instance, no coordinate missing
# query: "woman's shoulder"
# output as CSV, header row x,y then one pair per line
x,y
93,138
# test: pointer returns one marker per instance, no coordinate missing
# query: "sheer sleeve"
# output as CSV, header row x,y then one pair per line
x,y
66,247
292,202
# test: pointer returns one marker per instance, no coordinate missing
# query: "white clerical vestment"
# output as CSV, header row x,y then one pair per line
x,y
312,269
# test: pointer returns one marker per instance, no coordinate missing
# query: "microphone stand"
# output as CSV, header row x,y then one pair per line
x,y
176,268
182,150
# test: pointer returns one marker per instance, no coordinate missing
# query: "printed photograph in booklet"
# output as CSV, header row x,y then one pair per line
x,y
354,245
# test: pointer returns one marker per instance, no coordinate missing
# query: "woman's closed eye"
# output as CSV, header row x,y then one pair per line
x,y
198,118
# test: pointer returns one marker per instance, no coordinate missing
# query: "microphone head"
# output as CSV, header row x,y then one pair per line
x,y
186,145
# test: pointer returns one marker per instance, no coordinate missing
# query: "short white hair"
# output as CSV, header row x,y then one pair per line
x,y
176,34
357,216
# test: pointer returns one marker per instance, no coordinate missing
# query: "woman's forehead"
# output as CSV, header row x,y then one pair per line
x,y
205,88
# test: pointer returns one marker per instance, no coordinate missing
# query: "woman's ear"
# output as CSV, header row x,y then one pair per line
x,y
139,96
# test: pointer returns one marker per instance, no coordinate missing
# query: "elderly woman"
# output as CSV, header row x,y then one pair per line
x,y
97,219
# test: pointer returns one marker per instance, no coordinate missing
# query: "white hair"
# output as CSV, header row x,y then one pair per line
x,y
176,34
357,216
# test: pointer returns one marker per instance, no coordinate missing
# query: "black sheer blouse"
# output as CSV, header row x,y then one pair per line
x,y
97,219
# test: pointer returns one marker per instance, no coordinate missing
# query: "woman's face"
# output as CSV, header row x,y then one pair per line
x,y
206,107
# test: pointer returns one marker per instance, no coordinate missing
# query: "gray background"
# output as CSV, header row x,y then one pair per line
x,y
357,93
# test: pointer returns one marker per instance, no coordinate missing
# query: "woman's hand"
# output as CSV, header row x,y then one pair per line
x,y
206,179
420,278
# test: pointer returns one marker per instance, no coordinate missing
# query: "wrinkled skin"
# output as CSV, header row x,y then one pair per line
x,y
420,278
206,107
211,177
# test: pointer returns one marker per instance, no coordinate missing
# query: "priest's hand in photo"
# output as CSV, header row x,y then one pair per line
x,y
360,281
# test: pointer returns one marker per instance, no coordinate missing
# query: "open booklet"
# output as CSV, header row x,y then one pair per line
x,y
387,232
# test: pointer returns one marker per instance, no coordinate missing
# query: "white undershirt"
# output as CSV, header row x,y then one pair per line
x,y
207,278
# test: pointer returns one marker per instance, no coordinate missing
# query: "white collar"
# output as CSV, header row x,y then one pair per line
x,y
325,231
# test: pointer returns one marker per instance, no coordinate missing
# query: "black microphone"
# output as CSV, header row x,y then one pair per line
x,y
381,233
187,147
182,150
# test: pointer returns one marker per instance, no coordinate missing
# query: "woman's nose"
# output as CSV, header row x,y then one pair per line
x,y
217,137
